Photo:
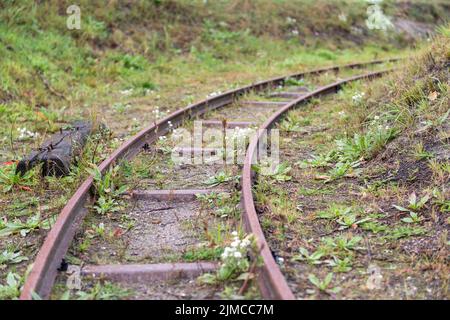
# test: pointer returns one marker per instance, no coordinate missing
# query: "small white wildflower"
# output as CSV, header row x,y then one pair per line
x,y
376,18
234,233
245,243
126,92
235,243
237,255
24,133
342,17
230,249
290,20
213,94
177,133
357,97
295,32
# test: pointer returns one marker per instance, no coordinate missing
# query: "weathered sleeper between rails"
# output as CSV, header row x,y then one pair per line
x,y
45,267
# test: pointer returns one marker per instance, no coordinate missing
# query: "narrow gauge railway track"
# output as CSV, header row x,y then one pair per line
x,y
272,284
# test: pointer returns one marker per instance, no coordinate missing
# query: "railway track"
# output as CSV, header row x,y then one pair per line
x,y
276,103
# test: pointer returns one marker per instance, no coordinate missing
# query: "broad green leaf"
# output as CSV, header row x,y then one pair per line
x,y
400,208
11,279
314,280
327,280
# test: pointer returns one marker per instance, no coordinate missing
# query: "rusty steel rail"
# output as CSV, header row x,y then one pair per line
x,y
272,283
45,267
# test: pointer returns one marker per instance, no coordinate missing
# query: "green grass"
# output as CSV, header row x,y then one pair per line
x,y
404,231
10,180
202,254
99,291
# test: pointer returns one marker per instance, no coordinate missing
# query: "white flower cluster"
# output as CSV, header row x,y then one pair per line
x,y
213,94
237,249
136,124
147,91
290,20
160,114
374,1
380,124
126,92
178,133
358,96
24,133
381,127
342,17
239,133
156,112
376,19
